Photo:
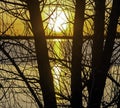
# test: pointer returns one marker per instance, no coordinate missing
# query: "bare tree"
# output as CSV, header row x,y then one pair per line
x,y
76,80
30,71
103,68
97,48
46,79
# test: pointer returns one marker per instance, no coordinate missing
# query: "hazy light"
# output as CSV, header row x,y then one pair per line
x,y
56,75
58,21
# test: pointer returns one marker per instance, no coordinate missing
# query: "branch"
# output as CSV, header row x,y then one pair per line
x,y
13,3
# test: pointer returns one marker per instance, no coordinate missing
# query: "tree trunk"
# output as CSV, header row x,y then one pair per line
x,y
76,82
101,74
46,79
97,49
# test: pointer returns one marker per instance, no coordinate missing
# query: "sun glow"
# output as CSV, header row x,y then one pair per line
x,y
56,75
58,21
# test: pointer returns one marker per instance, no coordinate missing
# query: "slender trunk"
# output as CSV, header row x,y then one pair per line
x,y
76,83
97,49
98,39
101,74
46,79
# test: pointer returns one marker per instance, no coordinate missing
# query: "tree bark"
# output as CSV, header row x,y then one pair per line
x,y
76,82
46,79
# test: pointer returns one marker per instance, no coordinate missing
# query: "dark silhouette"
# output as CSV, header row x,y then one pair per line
x,y
46,79
88,76
97,49
100,74
76,82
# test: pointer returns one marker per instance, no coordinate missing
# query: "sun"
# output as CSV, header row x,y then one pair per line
x,y
58,21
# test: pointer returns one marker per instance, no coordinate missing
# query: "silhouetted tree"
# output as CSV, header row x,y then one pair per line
x,y
79,66
46,79
76,82
97,48
100,74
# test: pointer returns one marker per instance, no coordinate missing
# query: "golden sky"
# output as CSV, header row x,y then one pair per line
x,y
57,20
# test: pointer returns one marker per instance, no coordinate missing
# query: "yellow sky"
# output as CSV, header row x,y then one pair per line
x,y
60,22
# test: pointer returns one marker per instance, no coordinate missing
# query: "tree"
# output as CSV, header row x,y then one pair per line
x,y
22,55
76,80
97,48
101,73
46,79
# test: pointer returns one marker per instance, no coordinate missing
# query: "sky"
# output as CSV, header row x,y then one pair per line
x,y
60,22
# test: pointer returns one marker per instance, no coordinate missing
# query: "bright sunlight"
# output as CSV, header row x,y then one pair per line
x,y
58,21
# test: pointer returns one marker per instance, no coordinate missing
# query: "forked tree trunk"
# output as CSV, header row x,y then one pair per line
x,y
46,79
76,83
101,74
